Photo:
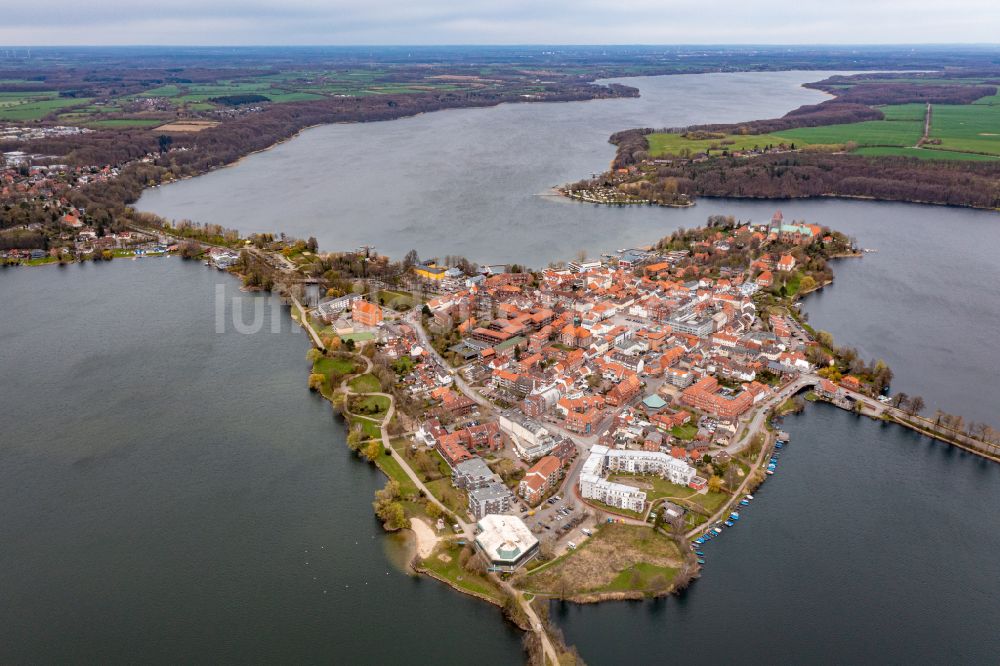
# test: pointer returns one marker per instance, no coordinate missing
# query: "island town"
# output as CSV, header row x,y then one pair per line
x,y
579,432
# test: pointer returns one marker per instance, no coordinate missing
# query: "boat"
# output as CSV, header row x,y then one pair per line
x,y
734,516
744,503
729,523
699,552
701,561
770,471
717,530
749,497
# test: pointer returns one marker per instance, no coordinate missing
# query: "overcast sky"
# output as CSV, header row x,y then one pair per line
x,y
321,22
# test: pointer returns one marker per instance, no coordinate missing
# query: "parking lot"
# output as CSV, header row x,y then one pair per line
x,y
557,521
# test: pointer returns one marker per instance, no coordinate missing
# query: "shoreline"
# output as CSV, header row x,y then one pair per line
x,y
747,197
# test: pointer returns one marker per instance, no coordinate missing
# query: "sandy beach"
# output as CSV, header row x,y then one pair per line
x,y
425,536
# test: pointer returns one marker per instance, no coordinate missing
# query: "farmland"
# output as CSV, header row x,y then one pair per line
x,y
24,107
958,132
869,133
921,153
160,102
974,128
682,144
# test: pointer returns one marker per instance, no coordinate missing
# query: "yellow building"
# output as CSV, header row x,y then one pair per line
x,y
430,271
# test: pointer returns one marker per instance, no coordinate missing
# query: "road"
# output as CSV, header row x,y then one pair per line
x,y
414,320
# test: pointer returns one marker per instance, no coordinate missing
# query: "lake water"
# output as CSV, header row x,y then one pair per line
x,y
161,483
469,181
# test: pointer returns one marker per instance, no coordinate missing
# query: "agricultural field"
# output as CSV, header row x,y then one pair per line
x,y
922,153
973,128
116,123
868,133
293,86
677,144
21,106
965,132
904,112
168,98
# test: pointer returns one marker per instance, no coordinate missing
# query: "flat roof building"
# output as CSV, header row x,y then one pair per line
x,y
505,541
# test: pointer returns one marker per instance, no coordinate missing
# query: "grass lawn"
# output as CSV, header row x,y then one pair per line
x,y
445,562
362,336
393,470
335,369
709,501
686,432
456,500
617,558
365,384
370,406
369,428
640,576
655,487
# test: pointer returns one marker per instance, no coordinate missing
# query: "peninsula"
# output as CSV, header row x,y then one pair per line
x,y
579,432
920,137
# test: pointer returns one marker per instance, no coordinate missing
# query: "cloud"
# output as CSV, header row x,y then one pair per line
x,y
301,22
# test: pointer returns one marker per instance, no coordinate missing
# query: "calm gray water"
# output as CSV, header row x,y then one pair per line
x,y
469,181
160,485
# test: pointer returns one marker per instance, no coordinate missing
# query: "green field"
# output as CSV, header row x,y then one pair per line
x,y
370,406
365,384
970,128
922,153
676,144
965,132
904,112
125,122
868,133
38,109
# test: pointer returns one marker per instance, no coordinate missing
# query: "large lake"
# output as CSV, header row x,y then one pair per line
x,y
170,494
161,483
474,182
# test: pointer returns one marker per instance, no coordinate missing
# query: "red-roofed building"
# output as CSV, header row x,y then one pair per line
x,y
786,263
627,389
366,314
543,476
